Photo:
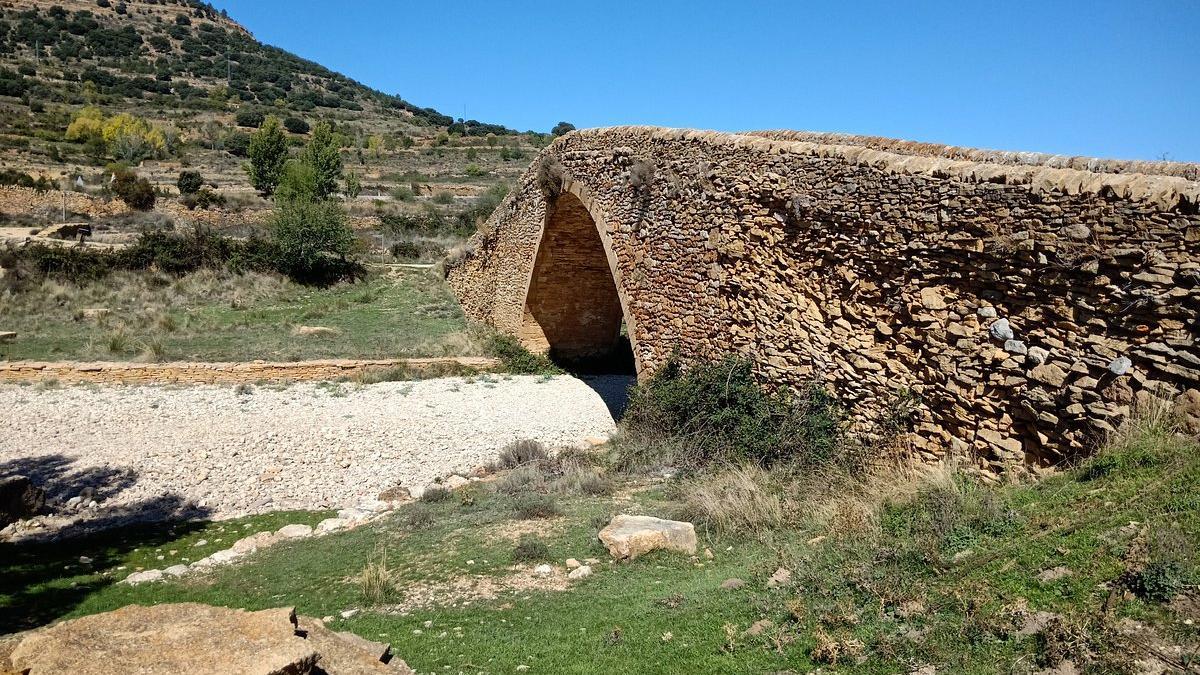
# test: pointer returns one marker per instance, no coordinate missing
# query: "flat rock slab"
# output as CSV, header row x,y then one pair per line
x,y
168,639
199,640
628,537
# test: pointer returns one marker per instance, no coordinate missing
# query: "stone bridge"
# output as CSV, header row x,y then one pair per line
x,y
1026,300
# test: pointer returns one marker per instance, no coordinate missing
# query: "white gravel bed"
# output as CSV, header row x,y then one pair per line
x,y
231,451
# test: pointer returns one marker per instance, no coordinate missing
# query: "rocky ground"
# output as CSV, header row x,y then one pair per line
x,y
125,452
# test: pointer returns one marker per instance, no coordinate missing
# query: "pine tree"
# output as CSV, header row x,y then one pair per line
x,y
268,155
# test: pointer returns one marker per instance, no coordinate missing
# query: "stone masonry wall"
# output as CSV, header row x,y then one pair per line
x,y
1026,303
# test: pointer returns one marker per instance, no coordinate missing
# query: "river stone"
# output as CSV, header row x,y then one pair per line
x,y
628,537
332,525
143,577
294,531
1015,347
1037,356
1001,330
1120,365
254,542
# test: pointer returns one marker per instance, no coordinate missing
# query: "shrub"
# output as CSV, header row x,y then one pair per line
x,y
405,249
189,182
203,199
717,412
577,479
535,506
517,359
530,549
1170,565
481,209
511,154
522,480
237,143
250,117
523,452
296,125
313,241
353,185
740,499
135,192
435,494
443,198
418,518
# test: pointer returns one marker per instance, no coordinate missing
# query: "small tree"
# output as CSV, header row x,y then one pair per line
x,y
323,155
313,239
353,185
562,128
268,155
298,184
189,182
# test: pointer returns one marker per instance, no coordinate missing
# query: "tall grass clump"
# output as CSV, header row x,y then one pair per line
x,y
375,582
743,499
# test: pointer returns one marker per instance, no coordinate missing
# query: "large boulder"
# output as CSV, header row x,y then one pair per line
x,y
19,499
628,537
198,639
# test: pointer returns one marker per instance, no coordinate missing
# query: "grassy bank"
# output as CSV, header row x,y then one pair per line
x,y
1093,566
212,316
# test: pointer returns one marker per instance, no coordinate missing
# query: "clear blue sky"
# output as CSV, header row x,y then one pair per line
x,y
1111,78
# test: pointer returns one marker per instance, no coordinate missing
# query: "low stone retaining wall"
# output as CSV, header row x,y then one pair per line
x,y
114,372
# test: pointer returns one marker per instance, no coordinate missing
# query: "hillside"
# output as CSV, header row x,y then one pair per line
x,y
202,83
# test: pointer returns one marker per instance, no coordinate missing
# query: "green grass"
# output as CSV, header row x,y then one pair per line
x,y
236,319
942,580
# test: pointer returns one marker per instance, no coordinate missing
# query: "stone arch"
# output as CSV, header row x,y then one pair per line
x,y
575,307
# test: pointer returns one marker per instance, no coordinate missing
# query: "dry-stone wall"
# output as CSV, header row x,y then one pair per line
x,y
1025,300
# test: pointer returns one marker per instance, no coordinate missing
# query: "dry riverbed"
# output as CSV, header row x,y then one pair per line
x,y
222,451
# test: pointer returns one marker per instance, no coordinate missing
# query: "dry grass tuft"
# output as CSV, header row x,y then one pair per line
x,y
521,453
738,499
375,582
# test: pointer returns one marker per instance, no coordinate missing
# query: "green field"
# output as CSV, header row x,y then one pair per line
x,y
945,575
208,316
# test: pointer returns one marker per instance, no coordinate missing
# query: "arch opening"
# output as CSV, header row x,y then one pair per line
x,y
573,310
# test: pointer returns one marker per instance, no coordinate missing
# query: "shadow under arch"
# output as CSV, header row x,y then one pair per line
x,y
575,306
